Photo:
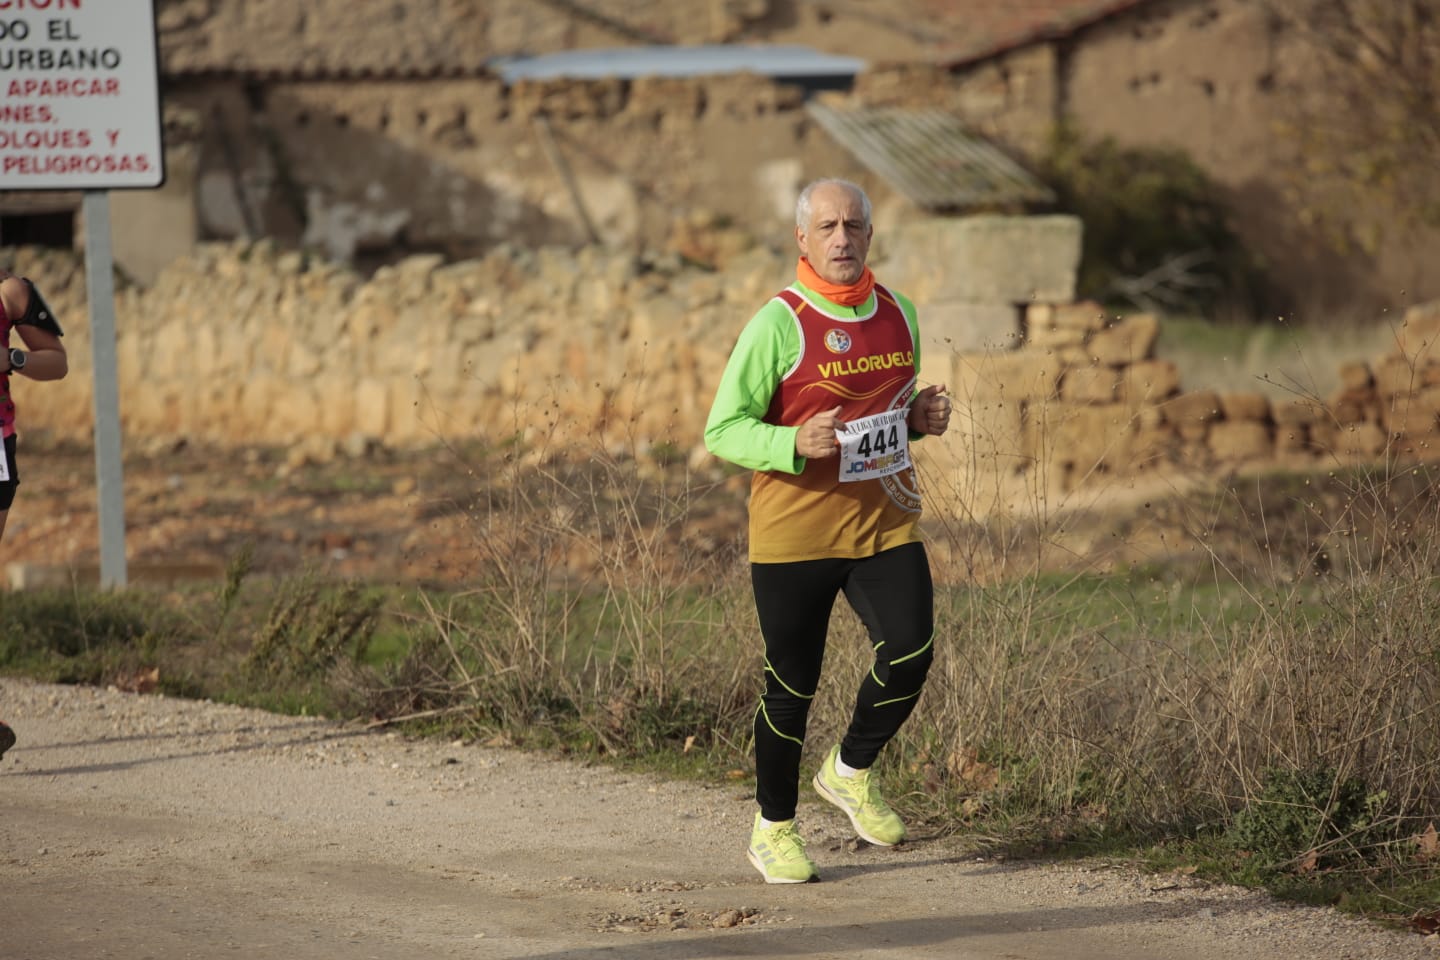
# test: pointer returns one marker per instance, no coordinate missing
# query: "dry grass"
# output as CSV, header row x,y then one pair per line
x,y
1263,667
605,616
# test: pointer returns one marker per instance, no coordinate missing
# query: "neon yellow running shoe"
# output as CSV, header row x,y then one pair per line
x,y
779,853
869,814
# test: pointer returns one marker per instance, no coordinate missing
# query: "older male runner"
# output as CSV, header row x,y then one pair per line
x,y
820,399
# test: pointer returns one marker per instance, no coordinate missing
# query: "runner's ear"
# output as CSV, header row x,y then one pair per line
x,y
39,314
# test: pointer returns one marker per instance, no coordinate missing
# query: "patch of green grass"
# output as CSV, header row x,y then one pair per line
x,y
77,635
388,644
1124,607
328,480
70,622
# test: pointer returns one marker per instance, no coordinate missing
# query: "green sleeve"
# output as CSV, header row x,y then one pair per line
x,y
912,318
735,430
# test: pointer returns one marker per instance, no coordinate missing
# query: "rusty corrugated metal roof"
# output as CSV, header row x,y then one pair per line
x,y
930,157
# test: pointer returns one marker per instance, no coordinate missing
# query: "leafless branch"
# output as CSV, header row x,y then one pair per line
x,y
1170,285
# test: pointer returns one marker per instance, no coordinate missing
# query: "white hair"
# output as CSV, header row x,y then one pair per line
x,y
802,204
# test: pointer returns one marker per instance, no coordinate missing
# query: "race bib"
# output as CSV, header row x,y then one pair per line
x,y
874,447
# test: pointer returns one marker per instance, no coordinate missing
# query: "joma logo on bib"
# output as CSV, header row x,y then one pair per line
x,y
878,466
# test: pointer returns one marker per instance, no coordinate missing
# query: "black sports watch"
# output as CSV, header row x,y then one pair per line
x,y
17,359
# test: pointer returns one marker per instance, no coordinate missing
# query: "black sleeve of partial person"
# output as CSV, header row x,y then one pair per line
x,y
39,314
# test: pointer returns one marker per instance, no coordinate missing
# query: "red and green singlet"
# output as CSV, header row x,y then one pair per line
x,y
799,356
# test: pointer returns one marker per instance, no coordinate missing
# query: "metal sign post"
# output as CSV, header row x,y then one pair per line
x,y
109,468
80,110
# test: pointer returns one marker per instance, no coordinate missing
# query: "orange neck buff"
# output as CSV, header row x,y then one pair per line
x,y
846,294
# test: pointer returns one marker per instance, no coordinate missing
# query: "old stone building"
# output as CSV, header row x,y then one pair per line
x,y
1236,86
369,131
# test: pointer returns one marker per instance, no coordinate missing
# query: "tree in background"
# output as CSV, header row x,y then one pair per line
x,y
1156,232
1369,136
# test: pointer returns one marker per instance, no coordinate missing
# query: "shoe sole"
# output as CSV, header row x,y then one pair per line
x,y
825,793
7,739
755,862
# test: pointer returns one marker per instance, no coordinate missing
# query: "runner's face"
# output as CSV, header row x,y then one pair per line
x,y
837,238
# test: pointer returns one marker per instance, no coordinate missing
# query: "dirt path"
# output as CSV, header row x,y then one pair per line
x,y
147,827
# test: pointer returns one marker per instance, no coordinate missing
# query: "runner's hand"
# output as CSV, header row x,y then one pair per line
x,y
930,411
816,436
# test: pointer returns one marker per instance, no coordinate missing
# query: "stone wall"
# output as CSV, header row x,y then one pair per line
x,y
547,352
460,165
1083,406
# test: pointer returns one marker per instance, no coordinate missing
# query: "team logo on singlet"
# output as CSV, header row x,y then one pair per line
x,y
837,341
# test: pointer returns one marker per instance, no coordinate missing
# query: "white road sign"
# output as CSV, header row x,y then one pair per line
x,y
79,95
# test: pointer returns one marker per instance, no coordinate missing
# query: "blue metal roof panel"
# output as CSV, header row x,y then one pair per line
x,y
629,62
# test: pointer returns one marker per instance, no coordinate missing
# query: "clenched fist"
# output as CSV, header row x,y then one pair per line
x,y
816,436
930,411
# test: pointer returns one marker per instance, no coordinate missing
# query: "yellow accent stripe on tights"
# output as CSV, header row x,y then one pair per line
x,y
783,736
788,689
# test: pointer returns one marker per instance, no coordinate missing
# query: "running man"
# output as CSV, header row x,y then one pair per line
x,y
820,399
23,311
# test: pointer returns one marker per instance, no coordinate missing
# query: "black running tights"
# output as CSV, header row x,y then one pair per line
x,y
893,595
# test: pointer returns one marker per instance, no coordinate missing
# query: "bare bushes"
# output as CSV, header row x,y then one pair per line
x,y
603,613
1272,683
1259,665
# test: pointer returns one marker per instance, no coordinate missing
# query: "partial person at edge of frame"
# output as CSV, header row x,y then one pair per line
x,y
24,311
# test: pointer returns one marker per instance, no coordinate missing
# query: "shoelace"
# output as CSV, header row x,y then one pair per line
x,y
870,794
787,840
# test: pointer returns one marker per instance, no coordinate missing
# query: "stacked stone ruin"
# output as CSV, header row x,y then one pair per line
x,y
556,352
1083,402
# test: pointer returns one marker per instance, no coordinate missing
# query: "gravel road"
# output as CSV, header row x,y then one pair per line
x,y
150,827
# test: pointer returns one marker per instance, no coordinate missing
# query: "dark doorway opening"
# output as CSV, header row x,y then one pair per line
x,y
53,229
